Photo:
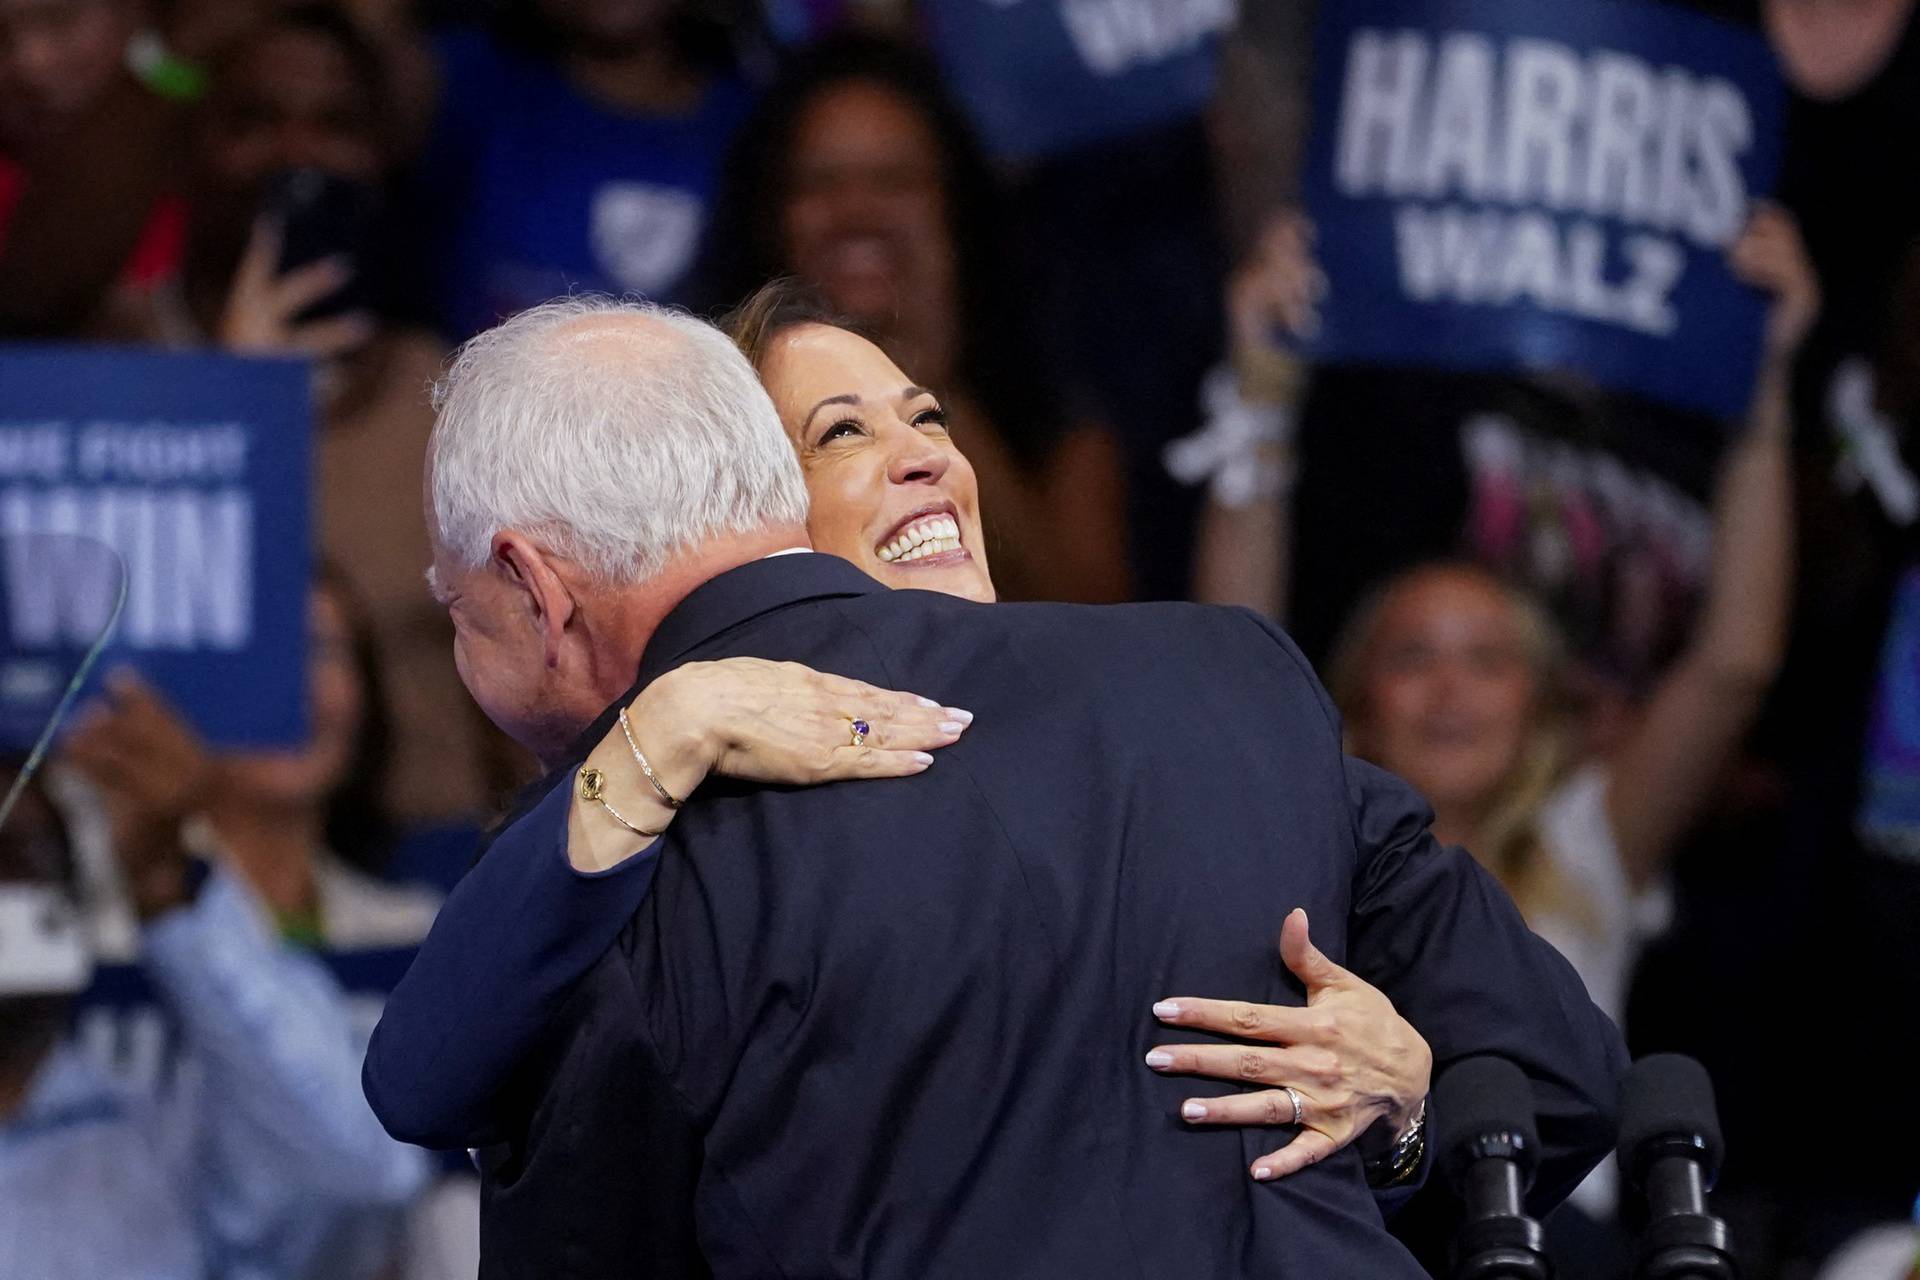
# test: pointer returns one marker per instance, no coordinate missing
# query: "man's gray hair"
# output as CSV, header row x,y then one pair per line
x,y
622,444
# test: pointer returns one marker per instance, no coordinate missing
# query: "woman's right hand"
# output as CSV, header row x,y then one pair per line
x,y
748,718
263,308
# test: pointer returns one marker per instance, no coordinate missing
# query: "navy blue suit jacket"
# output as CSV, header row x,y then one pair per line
x,y
895,1028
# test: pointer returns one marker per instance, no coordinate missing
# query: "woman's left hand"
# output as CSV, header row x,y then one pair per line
x,y
1353,1060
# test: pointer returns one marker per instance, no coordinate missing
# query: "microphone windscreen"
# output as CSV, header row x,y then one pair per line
x,y
1668,1096
1484,1106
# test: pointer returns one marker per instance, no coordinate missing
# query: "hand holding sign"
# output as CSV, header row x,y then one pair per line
x,y
154,774
1278,288
1770,255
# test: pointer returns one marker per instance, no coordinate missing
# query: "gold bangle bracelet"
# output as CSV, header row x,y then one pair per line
x,y
593,787
660,789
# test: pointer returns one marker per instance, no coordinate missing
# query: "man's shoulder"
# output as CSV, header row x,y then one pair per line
x,y
1138,632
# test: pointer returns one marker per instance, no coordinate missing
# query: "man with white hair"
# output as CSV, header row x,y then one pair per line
x,y
567,494
897,1029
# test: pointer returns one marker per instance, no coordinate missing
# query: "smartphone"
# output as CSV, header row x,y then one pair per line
x,y
323,215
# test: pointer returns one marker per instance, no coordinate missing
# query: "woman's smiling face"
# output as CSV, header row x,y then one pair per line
x,y
890,491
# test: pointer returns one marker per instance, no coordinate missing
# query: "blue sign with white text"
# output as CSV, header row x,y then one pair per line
x,y
1505,185
195,469
1040,76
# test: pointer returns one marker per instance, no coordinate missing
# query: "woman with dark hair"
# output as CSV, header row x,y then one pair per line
x,y
857,175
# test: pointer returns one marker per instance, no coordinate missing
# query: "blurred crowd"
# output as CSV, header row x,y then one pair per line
x,y
1646,667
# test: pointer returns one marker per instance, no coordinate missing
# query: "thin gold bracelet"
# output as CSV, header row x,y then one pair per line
x,y
593,787
666,796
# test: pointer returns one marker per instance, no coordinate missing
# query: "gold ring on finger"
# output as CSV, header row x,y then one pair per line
x,y
860,729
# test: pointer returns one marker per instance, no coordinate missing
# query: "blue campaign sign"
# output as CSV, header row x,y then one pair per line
x,y
1039,76
1505,184
196,470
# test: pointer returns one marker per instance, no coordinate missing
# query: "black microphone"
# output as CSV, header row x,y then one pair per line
x,y
1670,1147
1484,1136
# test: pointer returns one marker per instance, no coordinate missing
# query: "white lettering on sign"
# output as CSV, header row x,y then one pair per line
x,y
1526,121
1494,257
33,450
189,557
159,453
1115,36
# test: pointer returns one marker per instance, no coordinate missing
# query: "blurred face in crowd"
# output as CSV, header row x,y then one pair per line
x,y
1448,687
292,100
866,220
889,490
56,58
336,704
605,25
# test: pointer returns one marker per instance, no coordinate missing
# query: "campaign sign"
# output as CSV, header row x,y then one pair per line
x,y
196,470
1040,76
1504,184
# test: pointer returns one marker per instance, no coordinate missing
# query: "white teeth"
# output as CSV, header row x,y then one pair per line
x,y
926,537
931,547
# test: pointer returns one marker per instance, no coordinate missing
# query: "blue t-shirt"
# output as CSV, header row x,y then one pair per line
x,y
538,191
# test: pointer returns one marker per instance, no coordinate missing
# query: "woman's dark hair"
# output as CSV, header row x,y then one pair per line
x,y
359,826
744,248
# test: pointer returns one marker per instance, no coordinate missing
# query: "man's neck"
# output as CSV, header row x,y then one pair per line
x,y
637,613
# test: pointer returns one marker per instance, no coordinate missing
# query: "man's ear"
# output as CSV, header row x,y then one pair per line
x,y
530,567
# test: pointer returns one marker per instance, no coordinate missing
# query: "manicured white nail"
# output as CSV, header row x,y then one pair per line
x,y
1261,1173
1193,1110
1159,1059
1167,1009
951,726
921,757
927,702
964,717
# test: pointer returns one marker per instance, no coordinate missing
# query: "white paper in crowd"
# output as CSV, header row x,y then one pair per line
x,y
43,947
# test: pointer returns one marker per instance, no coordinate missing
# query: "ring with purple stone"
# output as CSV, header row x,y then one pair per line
x,y
860,731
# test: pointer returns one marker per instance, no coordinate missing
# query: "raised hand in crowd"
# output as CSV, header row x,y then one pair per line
x,y
1770,256
1353,1060
1665,769
1277,290
760,721
154,773
1246,447
264,306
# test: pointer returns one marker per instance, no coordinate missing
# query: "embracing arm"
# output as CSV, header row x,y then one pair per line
x,y
555,888
508,944
1437,933
1441,939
